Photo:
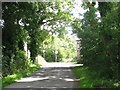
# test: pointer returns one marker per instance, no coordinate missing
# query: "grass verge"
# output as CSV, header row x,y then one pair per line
x,y
12,78
89,79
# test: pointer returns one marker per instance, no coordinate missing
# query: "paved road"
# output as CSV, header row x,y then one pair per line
x,y
52,76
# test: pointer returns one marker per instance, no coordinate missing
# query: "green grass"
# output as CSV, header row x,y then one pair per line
x,y
89,79
12,78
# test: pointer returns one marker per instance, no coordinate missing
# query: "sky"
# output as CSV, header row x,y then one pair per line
x,y
78,13
78,9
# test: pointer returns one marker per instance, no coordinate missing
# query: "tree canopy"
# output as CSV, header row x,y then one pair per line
x,y
31,23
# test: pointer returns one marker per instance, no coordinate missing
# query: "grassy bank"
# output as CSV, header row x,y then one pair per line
x,y
89,79
12,78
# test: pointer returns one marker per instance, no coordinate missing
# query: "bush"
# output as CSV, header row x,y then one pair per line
x,y
20,62
6,70
49,55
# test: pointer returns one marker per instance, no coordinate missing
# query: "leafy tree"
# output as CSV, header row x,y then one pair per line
x,y
23,22
100,38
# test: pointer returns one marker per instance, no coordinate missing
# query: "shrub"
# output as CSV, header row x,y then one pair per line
x,y
49,55
6,70
20,62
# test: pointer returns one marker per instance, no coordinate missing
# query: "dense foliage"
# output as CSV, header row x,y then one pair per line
x,y
100,38
26,26
59,48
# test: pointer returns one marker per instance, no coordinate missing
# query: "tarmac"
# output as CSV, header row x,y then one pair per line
x,y
51,76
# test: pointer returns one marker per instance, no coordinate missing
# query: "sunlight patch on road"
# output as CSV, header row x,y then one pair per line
x,y
31,79
61,65
70,80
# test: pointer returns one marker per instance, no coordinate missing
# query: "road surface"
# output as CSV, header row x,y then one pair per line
x,y
52,76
